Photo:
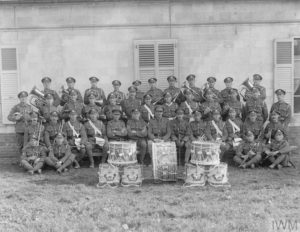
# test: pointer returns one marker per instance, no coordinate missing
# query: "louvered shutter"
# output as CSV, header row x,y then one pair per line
x,y
284,69
155,58
9,81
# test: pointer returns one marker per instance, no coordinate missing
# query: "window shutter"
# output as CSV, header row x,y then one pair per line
x,y
284,69
9,81
155,58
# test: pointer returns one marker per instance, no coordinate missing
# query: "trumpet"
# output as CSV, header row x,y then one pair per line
x,y
36,99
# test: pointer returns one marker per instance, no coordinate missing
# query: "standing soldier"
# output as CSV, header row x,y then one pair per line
x,y
33,156
139,93
119,94
251,124
91,105
131,103
283,108
34,129
158,129
256,104
256,83
52,128
209,105
173,90
189,105
233,102
96,134
197,92
112,105
49,107
170,107
76,137
72,104
98,92
180,134
47,90
225,93
211,86
60,156
157,94
116,128
147,109
20,115
137,131
66,92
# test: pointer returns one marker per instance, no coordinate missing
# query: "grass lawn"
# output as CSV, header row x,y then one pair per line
x,y
71,202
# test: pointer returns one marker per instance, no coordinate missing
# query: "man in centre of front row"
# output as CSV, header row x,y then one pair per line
x,y
116,128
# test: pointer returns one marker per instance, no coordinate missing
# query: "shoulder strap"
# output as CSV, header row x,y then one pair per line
x,y
94,127
234,126
217,128
189,107
73,129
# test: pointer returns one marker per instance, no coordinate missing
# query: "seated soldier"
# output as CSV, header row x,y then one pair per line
x,y
248,153
189,105
33,156
147,109
73,104
232,130
35,128
158,129
112,104
137,131
251,124
170,107
49,107
75,134
197,127
60,156
180,134
96,134
91,105
272,126
52,128
116,129
278,151
211,103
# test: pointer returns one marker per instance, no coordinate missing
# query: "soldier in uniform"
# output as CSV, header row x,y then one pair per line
x,y
209,105
232,103
46,110
52,128
33,156
112,105
180,134
131,103
47,84
283,108
256,83
189,105
251,124
226,93
211,86
139,94
119,94
214,128
175,92
95,129
75,134
256,104
278,151
170,107
157,94
91,105
249,152
147,109
34,129
60,156
158,129
98,92
20,115
116,128
197,92
137,131
65,96
72,104
197,127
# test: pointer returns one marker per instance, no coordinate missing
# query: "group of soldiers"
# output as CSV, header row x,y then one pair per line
x,y
60,131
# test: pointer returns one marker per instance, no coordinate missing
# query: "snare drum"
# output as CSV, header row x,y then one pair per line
x,y
217,175
205,153
164,161
132,176
108,175
195,175
122,153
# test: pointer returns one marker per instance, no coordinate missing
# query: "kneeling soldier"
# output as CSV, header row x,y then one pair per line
x,y
248,153
60,156
33,156
95,130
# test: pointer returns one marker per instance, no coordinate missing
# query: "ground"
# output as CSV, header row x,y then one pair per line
x,y
256,201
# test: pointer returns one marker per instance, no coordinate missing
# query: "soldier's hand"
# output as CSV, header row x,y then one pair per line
x,y
18,116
